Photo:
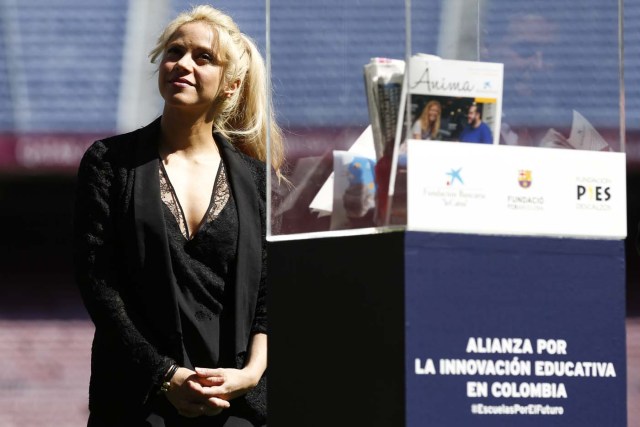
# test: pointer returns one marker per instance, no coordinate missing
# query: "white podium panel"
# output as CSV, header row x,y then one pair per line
x,y
490,189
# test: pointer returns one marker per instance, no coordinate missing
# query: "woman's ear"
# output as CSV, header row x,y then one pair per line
x,y
229,90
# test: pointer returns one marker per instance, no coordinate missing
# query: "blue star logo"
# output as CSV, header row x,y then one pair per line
x,y
455,175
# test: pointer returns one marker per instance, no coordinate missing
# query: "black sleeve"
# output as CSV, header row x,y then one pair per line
x,y
96,270
260,318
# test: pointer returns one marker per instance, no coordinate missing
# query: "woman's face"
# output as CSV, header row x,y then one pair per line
x,y
189,74
433,113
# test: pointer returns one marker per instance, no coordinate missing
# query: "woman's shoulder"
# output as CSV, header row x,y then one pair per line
x,y
117,150
258,171
256,167
105,162
105,149
253,163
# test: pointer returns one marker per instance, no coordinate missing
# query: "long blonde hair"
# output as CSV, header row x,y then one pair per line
x,y
247,115
424,118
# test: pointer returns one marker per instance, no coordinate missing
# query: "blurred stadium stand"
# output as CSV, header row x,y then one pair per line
x,y
63,60
44,378
61,68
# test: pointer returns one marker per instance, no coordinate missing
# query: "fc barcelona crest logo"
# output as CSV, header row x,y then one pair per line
x,y
524,178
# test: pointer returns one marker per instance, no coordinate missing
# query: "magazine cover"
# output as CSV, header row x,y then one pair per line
x,y
458,101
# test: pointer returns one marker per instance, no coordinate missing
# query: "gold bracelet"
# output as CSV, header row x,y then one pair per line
x,y
165,387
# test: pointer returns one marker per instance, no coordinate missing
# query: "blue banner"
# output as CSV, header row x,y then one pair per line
x,y
504,331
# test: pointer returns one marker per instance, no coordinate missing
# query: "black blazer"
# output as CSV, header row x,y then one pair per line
x,y
123,269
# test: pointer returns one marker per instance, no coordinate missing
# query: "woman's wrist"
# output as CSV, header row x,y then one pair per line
x,y
256,363
168,376
252,375
181,375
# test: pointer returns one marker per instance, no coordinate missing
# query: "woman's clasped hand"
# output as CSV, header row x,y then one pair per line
x,y
208,391
192,395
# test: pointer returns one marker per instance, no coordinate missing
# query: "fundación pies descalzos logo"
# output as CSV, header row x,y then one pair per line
x,y
594,193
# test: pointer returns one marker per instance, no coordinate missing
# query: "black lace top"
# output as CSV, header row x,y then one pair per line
x,y
203,265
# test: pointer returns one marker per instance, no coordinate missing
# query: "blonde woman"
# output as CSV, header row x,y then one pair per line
x,y
170,240
428,124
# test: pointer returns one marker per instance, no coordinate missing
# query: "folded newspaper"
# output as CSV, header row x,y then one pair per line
x,y
383,79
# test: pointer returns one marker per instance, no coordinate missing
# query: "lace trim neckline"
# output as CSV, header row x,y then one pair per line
x,y
219,198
